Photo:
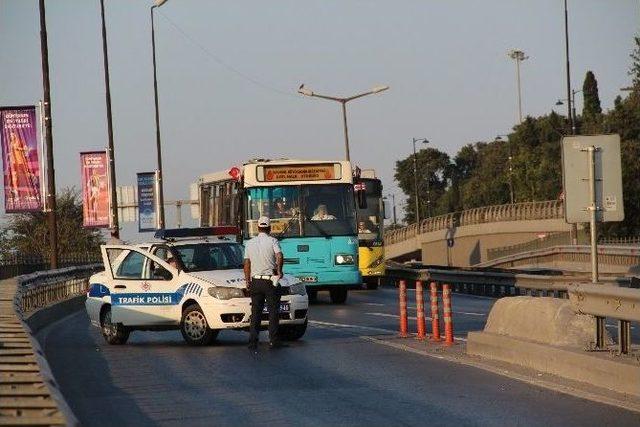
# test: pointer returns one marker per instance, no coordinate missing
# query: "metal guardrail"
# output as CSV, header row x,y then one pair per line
x,y
608,301
551,209
29,394
498,283
12,265
609,255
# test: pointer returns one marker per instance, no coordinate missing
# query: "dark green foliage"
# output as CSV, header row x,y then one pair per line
x,y
27,234
591,109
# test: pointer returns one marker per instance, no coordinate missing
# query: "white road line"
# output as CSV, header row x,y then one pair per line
x,y
426,317
393,315
342,325
348,326
377,304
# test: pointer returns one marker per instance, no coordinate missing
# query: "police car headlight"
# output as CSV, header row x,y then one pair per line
x,y
223,292
298,289
345,259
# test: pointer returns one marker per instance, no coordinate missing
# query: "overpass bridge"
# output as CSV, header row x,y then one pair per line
x,y
474,232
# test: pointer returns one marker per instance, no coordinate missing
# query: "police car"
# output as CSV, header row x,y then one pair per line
x,y
192,281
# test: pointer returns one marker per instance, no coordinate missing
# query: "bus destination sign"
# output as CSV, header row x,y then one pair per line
x,y
312,172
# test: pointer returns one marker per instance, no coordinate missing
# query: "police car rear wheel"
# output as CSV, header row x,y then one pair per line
x,y
113,333
292,332
194,327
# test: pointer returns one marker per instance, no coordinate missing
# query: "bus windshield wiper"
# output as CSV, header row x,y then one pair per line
x,y
288,224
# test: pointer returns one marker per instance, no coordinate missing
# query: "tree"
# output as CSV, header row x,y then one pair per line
x,y
26,234
591,110
433,167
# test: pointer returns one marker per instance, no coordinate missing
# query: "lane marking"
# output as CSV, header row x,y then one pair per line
x,y
349,326
342,325
426,317
377,304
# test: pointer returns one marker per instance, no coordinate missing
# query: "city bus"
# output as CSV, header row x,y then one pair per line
x,y
370,217
312,208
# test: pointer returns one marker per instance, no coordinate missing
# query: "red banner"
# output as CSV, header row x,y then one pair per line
x,y
20,160
95,189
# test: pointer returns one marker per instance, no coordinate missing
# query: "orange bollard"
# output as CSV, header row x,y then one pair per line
x,y
422,327
448,318
403,308
435,321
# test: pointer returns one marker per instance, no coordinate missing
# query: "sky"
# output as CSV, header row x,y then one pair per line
x,y
228,72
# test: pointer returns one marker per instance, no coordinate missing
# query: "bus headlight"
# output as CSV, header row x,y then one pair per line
x,y
224,292
345,259
298,289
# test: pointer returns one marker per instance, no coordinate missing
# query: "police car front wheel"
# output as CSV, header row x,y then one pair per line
x,y
194,327
113,333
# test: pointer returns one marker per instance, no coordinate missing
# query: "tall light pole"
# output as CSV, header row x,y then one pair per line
x,y
511,195
51,173
415,177
160,184
307,92
115,226
566,49
518,56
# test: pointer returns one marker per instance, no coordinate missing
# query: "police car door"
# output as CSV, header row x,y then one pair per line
x,y
143,287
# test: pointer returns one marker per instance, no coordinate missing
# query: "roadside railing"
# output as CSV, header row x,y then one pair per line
x,y
627,256
29,395
608,302
498,283
551,209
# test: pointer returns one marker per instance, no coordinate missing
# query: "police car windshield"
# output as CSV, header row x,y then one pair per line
x,y
210,256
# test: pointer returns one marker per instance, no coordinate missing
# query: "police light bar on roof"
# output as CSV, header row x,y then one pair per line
x,y
182,233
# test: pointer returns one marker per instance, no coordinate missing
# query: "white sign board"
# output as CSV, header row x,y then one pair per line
x,y
608,174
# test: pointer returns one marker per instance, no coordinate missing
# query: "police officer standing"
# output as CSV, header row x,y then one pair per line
x,y
262,260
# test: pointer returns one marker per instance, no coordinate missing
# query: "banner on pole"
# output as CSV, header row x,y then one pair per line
x,y
20,159
146,201
95,189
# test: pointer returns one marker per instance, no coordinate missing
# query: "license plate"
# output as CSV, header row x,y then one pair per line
x,y
284,308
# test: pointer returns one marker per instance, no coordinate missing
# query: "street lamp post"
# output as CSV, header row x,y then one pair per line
x,y
511,194
115,227
415,178
160,184
51,174
572,103
343,101
518,56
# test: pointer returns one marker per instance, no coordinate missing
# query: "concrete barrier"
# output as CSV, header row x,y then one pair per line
x,y
546,335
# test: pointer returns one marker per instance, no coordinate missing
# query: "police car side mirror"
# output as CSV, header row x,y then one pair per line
x,y
163,273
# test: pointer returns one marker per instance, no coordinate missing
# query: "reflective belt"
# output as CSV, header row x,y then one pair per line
x,y
262,277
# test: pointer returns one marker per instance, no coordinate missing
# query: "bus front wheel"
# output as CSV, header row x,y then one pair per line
x,y
338,295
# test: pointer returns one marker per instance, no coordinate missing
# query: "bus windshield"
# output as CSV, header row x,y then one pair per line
x,y
302,211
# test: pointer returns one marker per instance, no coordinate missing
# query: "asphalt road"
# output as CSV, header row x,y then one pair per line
x,y
330,377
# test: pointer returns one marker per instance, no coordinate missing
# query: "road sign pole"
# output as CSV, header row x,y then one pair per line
x,y
593,208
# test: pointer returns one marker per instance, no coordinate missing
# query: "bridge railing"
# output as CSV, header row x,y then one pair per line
x,y
550,209
32,396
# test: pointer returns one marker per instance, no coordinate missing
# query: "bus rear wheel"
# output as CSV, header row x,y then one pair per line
x,y
338,295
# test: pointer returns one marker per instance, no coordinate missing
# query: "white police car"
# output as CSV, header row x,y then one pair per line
x,y
140,289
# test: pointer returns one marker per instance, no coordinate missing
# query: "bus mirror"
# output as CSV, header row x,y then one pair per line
x,y
361,197
385,210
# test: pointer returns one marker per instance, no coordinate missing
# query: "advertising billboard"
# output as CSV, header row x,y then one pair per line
x,y
20,159
146,201
95,188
